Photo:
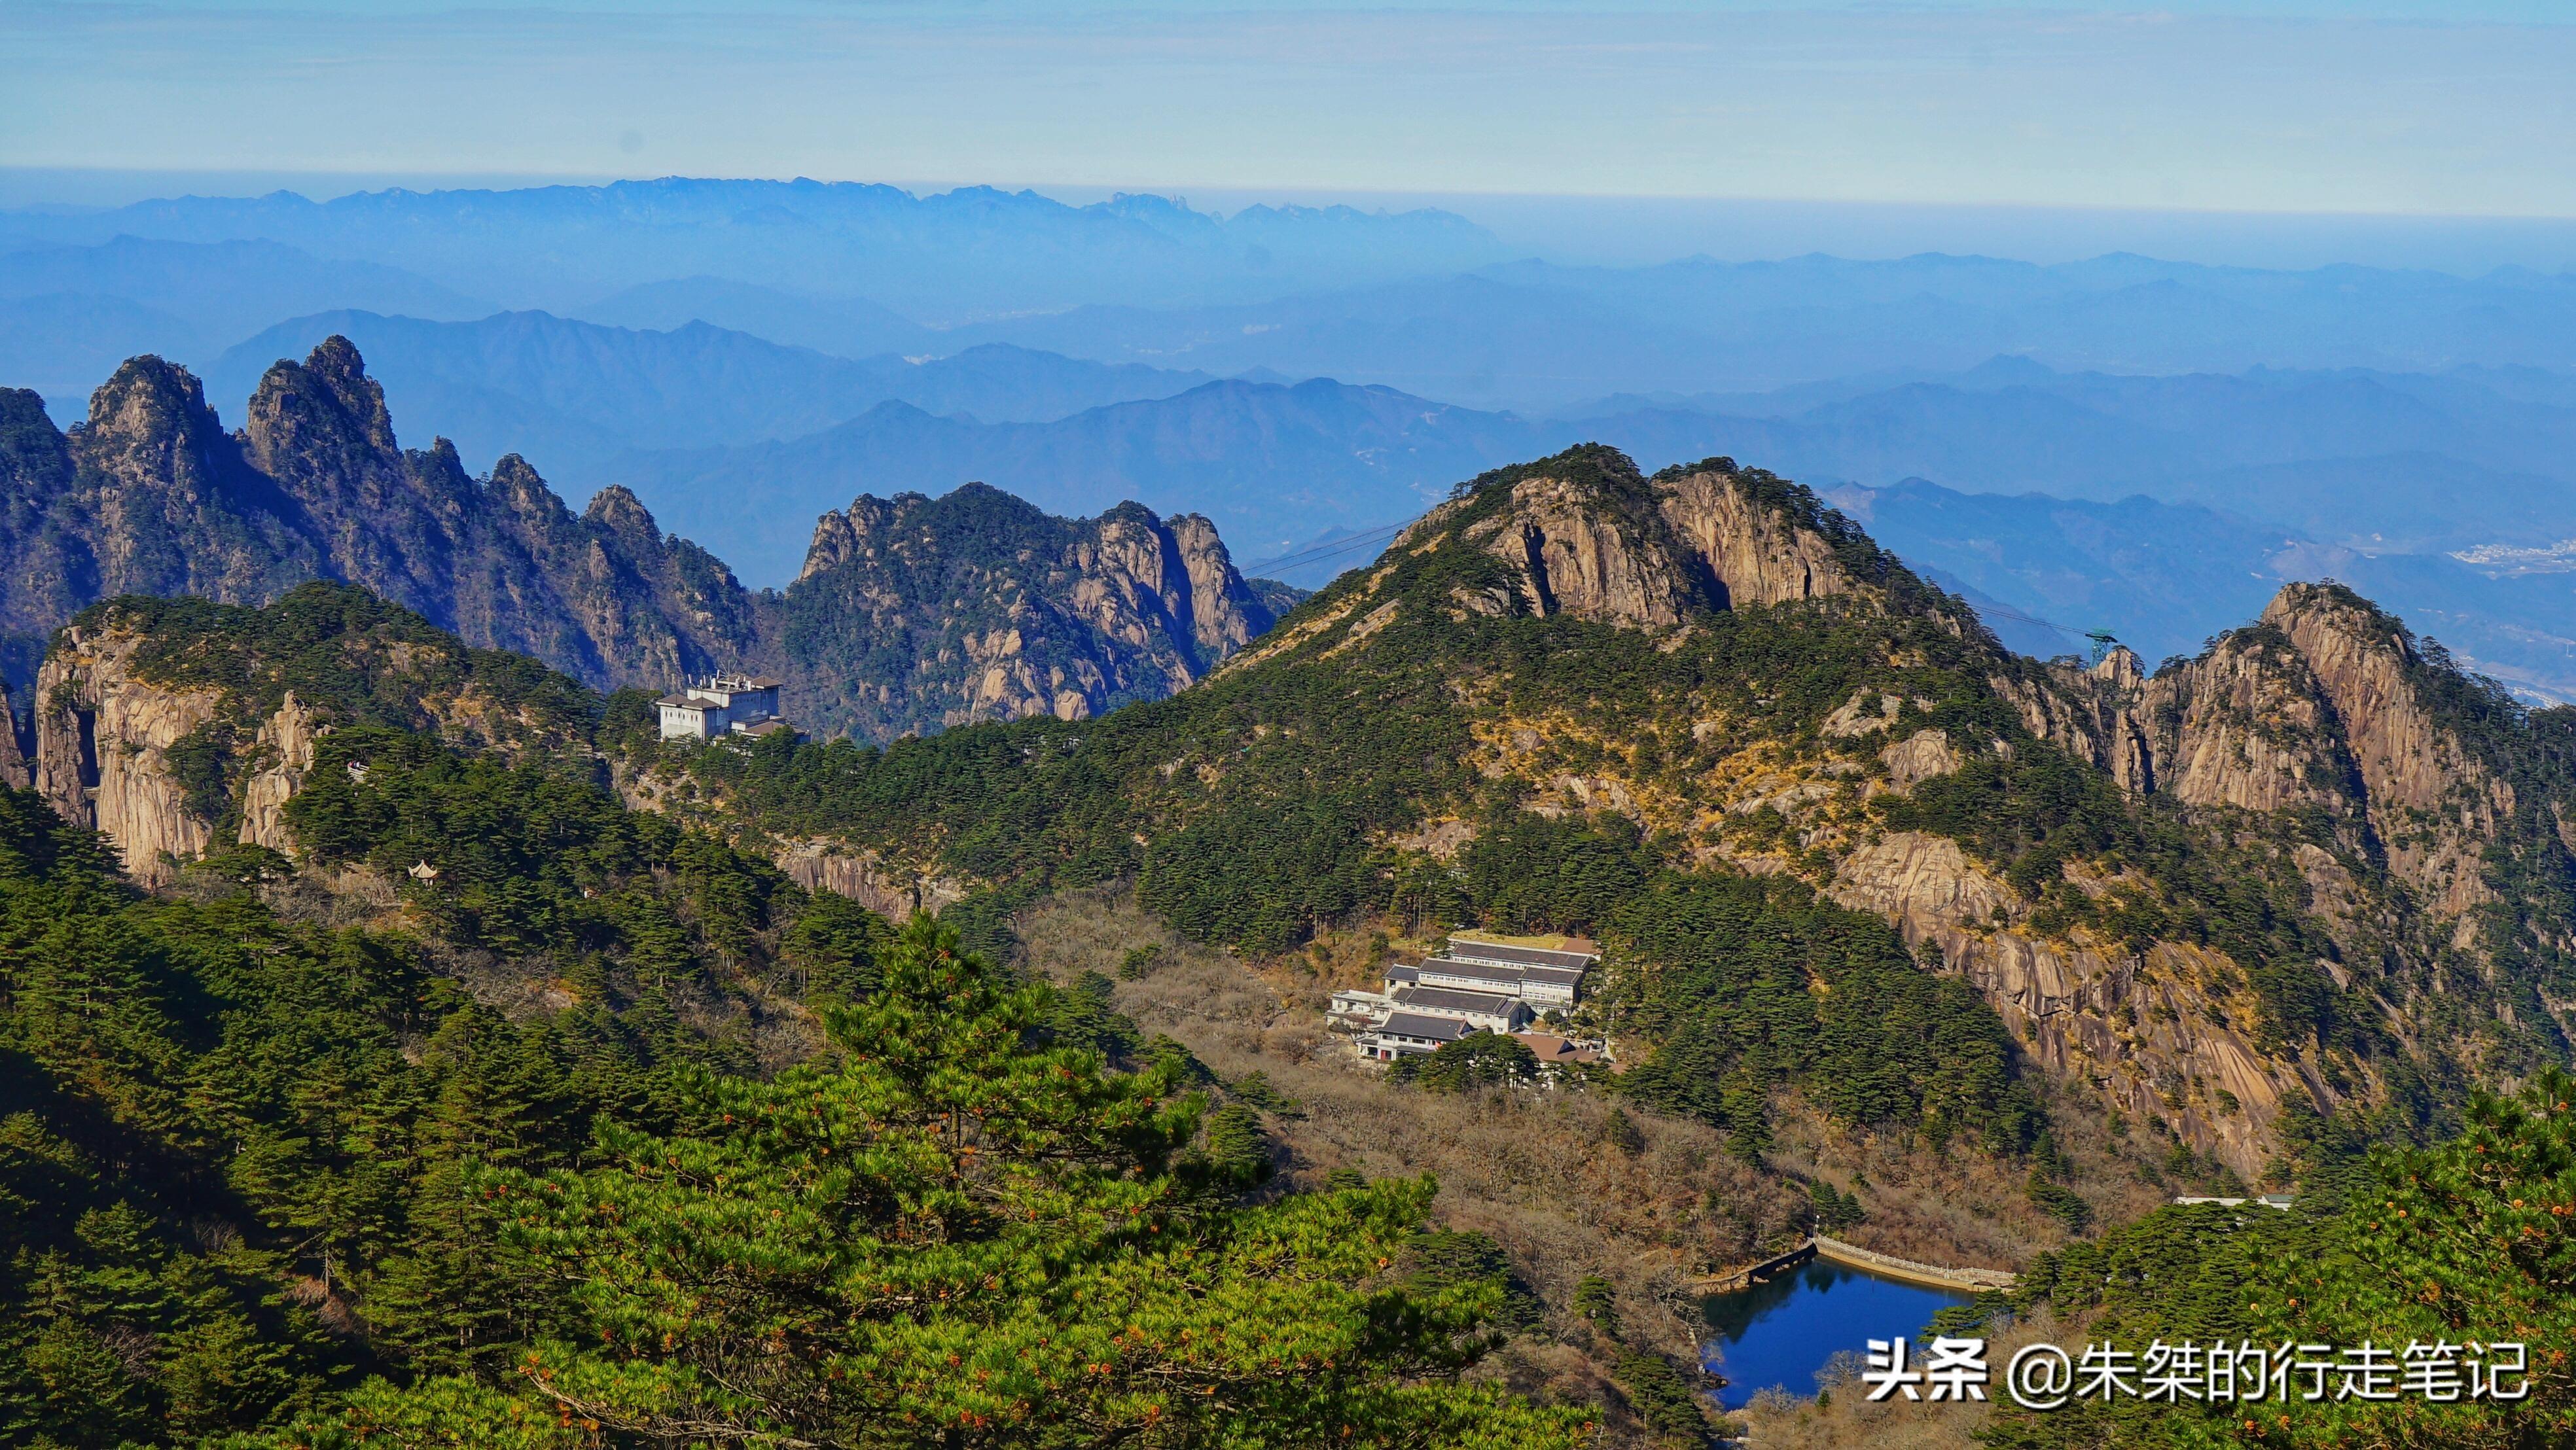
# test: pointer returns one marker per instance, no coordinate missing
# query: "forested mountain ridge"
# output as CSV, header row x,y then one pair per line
x,y
1575,696
285,1139
2291,894
178,726
152,496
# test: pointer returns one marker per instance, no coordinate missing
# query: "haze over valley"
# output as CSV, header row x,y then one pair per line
x,y
696,343
1495,725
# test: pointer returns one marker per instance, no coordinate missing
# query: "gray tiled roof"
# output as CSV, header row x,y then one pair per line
x,y
1482,971
1524,956
1436,1029
1496,972
1444,999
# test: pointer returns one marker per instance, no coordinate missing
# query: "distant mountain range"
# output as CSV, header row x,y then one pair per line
x,y
70,314
1271,464
2397,461
746,356
2165,508
1421,301
549,387
842,326
1538,337
2162,508
2166,577
947,255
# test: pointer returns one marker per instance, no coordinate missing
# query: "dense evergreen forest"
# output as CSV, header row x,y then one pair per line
x,y
2463,1244
739,1162
1272,802
608,1133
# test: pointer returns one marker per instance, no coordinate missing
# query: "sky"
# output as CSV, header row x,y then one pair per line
x,y
2388,107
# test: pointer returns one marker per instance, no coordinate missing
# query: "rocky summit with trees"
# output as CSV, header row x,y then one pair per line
x,y
401,1044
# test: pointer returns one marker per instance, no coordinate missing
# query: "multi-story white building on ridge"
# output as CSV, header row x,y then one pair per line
x,y
1544,977
1412,1034
724,705
1474,986
1484,1011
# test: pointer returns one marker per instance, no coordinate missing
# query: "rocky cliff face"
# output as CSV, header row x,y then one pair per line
x,y
2324,705
103,751
821,865
914,613
281,758
1705,537
2163,1035
172,728
881,636
151,496
2314,790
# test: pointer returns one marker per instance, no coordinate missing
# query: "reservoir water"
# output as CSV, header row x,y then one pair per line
x,y
1777,1334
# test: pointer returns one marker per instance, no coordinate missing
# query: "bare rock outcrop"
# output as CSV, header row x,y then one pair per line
x,y
1754,553
862,876
1577,559
1589,539
916,613
103,757
2320,704
2245,726
2142,1029
285,744
2434,805
1919,757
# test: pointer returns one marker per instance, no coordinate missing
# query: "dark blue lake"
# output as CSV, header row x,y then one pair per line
x,y
1778,1334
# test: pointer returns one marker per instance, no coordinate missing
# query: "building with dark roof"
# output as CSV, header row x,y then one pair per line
x,y
1469,949
1543,977
1469,985
1486,1011
1411,1034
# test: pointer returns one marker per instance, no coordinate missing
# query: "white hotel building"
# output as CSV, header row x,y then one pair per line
x,y
1467,986
724,705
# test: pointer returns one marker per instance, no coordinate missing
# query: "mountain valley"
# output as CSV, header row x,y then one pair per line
x,y
1998,949
349,889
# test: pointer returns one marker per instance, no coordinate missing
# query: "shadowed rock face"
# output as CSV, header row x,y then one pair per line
x,y
915,613
152,496
149,496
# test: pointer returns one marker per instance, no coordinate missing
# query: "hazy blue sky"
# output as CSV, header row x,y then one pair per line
x,y
2465,107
